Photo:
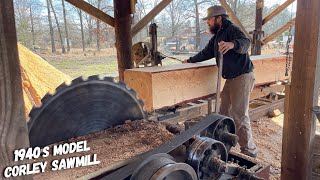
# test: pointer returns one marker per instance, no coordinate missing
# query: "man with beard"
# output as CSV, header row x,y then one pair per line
x,y
230,41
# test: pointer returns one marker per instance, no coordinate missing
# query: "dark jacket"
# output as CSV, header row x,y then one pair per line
x,y
236,61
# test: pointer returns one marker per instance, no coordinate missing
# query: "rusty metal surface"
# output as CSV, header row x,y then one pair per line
x,y
251,164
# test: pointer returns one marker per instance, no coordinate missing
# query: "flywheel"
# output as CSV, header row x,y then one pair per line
x,y
85,106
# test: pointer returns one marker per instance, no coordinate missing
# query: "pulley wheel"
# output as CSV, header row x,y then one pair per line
x,y
163,166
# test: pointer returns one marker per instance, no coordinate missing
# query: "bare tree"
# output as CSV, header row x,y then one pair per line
x,y
82,31
53,46
98,28
32,27
58,26
141,7
176,11
65,25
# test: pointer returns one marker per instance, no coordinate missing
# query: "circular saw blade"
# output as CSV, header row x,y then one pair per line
x,y
84,107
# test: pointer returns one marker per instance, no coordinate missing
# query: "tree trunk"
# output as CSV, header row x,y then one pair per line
x,y
58,26
53,46
235,7
32,27
98,29
172,21
90,29
65,25
197,47
82,33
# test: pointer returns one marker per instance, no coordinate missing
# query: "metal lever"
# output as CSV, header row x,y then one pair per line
x,y
217,107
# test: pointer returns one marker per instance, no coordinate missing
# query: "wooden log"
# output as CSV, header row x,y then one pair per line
x,y
277,11
169,85
300,123
279,31
234,18
13,127
93,11
123,36
147,18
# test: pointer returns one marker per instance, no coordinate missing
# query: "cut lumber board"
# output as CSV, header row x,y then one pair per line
x,y
165,86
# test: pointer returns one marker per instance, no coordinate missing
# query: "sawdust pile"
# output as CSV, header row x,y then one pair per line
x,y
38,77
113,145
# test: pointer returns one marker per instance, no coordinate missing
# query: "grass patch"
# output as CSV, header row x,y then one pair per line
x,y
86,67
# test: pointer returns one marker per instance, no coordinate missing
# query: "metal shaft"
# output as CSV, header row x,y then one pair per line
x,y
217,107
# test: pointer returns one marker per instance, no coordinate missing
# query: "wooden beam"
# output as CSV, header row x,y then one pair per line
x,y
277,11
300,123
93,11
234,18
13,127
122,28
257,33
279,31
147,18
163,86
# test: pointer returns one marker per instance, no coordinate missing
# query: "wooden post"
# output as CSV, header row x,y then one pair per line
x,y
257,33
13,127
122,25
300,123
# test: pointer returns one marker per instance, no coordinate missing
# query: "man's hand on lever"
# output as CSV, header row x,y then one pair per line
x,y
224,47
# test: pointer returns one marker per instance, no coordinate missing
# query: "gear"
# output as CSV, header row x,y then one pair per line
x,y
84,107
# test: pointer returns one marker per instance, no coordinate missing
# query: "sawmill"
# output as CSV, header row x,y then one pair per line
x,y
177,105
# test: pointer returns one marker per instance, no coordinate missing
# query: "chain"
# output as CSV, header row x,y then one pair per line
x,y
288,57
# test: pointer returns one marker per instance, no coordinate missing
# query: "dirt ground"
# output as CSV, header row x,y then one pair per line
x,y
111,146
